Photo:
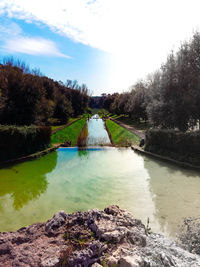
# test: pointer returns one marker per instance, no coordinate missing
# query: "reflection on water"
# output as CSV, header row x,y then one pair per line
x,y
24,182
175,192
20,185
72,179
83,153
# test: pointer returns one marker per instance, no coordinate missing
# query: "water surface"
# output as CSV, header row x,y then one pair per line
x,y
71,180
74,180
97,134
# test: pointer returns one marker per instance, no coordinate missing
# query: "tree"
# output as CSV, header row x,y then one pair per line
x,y
27,98
135,104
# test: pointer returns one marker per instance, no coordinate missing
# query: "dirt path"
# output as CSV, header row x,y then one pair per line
x,y
129,128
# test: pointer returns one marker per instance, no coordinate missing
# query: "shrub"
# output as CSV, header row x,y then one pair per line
x,y
175,144
20,141
54,122
82,139
89,110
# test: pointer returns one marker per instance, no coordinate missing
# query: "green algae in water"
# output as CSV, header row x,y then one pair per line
x,y
72,180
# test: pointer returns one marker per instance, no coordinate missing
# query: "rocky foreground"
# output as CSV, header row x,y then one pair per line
x,y
94,238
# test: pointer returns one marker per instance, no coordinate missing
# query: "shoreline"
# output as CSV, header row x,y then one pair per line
x,y
163,158
29,157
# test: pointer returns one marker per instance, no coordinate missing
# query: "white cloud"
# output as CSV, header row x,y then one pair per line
x,y
33,46
8,29
14,40
139,34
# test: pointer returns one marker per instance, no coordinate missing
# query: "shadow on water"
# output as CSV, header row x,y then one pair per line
x,y
26,181
175,192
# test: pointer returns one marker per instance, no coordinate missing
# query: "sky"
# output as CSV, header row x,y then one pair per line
x,y
107,44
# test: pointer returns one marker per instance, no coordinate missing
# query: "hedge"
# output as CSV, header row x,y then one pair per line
x,y
180,146
16,142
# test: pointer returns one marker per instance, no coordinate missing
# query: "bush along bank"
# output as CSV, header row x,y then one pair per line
x,y
183,147
20,141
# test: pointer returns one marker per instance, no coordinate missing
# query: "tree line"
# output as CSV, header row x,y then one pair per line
x,y
28,97
169,98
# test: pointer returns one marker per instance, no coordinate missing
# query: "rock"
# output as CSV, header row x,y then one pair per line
x,y
87,256
57,220
129,261
96,265
111,261
113,210
49,262
136,238
111,237
5,248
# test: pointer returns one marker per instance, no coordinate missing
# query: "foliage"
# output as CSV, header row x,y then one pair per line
x,y
96,102
108,101
169,97
20,141
76,238
69,133
82,138
62,109
27,97
88,110
140,125
121,136
175,144
102,113
55,125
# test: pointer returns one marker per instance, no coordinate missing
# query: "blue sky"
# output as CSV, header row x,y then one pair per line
x,y
107,44
83,63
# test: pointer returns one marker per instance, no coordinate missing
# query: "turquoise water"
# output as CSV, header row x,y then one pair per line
x,y
71,180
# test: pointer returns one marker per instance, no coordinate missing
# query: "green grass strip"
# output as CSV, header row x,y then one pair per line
x,y
56,127
60,126
121,136
69,133
115,116
138,125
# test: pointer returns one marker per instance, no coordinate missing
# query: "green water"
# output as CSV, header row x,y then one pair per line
x,y
71,180
74,180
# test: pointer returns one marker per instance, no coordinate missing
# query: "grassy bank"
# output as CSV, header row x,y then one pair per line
x,y
60,126
138,125
69,133
121,136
